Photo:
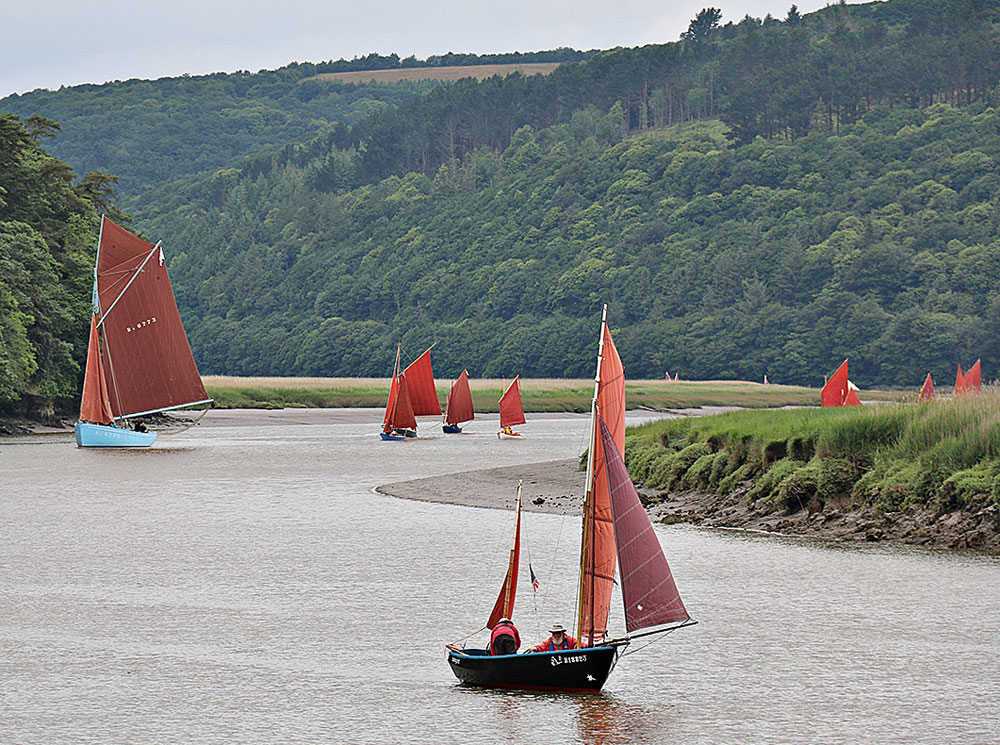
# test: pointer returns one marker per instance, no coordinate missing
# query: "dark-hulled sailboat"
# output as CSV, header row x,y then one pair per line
x,y
616,531
139,361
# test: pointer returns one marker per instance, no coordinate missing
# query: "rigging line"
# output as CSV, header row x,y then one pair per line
x,y
138,271
654,640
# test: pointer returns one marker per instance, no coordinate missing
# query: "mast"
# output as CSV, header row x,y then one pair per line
x,y
504,606
586,544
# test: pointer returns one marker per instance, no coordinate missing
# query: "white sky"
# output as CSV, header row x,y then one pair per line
x,y
68,42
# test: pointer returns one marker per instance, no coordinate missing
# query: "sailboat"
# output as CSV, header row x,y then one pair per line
x,y
511,411
458,406
139,361
399,421
412,393
839,390
616,531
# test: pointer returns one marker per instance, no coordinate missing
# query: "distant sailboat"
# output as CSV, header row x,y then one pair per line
x,y
412,393
139,361
927,391
511,411
616,531
969,383
399,421
458,406
839,390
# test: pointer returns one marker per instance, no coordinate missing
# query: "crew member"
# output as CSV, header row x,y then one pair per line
x,y
559,640
505,639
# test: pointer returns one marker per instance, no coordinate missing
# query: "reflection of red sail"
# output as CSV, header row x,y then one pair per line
x,y
511,412
94,406
973,381
648,589
147,359
598,560
927,392
458,407
423,394
504,607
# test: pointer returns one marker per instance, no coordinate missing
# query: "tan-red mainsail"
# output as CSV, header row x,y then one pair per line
x,y
598,554
504,606
511,411
147,359
927,391
973,379
458,407
94,404
423,393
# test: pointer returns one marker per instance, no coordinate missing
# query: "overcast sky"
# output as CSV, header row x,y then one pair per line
x,y
68,42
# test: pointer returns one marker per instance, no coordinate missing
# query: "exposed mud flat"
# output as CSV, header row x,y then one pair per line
x,y
557,487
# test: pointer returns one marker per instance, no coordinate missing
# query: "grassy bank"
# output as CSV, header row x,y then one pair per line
x,y
539,394
943,454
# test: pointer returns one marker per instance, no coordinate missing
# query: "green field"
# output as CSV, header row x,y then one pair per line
x,y
538,394
944,454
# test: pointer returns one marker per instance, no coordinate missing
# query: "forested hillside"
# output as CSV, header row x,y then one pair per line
x,y
766,196
150,131
48,220
878,243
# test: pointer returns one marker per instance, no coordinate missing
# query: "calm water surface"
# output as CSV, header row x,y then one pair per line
x,y
243,584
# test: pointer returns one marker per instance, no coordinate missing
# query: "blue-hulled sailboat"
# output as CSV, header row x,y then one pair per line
x,y
139,361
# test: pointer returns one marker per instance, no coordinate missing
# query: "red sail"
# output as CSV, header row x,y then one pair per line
x,y
390,404
458,407
400,414
648,589
836,389
852,398
927,392
504,607
511,412
423,394
959,382
598,570
94,405
973,379
147,359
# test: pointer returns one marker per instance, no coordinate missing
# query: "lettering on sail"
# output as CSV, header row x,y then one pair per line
x,y
141,324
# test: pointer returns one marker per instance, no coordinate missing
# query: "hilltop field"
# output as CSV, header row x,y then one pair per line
x,y
446,74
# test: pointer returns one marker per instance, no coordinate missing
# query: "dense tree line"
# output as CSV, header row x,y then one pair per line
x,y
48,224
764,78
781,257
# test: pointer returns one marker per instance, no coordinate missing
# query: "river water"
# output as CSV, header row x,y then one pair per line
x,y
241,583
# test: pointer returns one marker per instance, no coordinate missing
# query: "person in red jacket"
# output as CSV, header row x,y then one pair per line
x,y
559,640
504,639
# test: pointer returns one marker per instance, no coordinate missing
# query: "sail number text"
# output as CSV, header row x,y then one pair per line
x,y
141,324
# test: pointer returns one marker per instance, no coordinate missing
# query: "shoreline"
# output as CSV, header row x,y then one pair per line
x,y
556,487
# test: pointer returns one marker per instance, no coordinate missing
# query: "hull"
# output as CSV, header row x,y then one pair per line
x,y
104,436
451,429
511,436
391,438
579,670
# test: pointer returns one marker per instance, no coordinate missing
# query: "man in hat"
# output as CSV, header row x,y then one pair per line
x,y
559,640
504,639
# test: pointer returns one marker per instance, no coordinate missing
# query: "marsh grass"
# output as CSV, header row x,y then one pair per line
x,y
538,394
944,453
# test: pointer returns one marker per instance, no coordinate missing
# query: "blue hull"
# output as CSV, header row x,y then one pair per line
x,y
104,436
391,438
451,429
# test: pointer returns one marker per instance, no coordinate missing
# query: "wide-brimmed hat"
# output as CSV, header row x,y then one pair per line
x,y
557,627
